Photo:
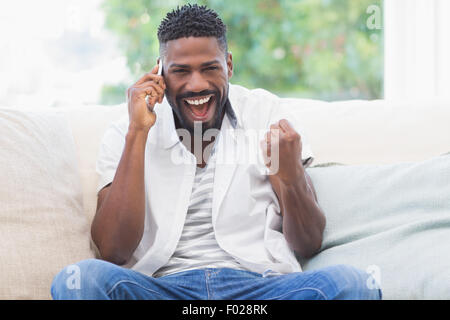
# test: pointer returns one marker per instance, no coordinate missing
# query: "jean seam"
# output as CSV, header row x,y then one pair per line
x,y
114,287
207,284
302,289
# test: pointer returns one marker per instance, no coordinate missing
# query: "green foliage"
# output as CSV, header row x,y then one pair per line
x,y
113,94
304,48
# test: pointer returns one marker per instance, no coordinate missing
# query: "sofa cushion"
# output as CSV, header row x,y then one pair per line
x,y
390,220
88,125
42,224
374,132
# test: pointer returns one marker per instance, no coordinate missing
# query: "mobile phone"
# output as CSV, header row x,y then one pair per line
x,y
160,67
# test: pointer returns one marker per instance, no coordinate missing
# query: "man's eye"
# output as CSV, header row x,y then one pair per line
x,y
212,68
179,70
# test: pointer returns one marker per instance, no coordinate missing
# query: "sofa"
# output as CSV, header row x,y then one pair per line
x,y
381,175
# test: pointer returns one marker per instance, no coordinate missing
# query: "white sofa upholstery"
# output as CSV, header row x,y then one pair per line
x,y
348,132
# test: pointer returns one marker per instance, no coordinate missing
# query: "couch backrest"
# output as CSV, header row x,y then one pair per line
x,y
88,124
374,132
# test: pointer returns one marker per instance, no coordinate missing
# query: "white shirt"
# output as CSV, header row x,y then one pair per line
x,y
198,247
245,210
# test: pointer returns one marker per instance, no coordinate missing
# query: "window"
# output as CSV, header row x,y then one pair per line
x,y
417,49
67,52
324,49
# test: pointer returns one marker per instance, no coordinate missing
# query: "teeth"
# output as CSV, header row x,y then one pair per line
x,y
197,102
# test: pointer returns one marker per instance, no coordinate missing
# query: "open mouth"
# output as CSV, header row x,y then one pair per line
x,y
199,107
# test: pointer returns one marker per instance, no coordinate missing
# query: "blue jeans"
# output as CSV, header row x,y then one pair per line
x,y
97,279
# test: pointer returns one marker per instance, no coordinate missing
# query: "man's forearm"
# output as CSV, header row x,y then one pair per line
x,y
303,220
119,222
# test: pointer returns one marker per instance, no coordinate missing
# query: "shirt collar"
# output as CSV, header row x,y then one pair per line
x,y
229,111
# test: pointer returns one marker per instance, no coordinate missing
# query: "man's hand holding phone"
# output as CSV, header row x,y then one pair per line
x,y
142,97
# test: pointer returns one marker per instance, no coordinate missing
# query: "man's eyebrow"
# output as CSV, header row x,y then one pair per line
x,y
186,66
205,64
176,65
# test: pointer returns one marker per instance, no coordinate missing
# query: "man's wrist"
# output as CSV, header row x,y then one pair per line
x,y
295,178
137,133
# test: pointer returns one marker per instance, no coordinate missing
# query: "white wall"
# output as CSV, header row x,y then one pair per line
x,y
417,49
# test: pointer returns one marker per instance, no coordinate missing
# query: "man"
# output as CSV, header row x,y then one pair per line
x,y
178,201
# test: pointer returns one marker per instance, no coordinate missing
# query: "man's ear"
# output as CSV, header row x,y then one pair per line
x,y
230,64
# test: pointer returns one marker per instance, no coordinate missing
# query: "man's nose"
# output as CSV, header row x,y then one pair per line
x,y
196,83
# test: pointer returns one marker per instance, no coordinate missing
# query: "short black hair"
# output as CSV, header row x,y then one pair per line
x,y
192,21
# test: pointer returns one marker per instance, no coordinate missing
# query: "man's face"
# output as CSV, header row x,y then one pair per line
x,y
196,74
